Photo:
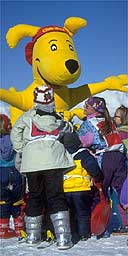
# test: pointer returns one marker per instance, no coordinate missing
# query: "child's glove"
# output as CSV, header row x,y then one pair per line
x,y
97,180
98,185
18,160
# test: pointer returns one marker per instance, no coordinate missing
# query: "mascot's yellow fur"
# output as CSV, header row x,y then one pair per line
x,y
54,61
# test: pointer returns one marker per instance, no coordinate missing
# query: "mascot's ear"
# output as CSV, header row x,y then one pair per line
x,y
73,24
16,33
28,52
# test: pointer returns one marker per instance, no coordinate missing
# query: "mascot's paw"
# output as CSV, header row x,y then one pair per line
x,y
117,83
79,112
68,115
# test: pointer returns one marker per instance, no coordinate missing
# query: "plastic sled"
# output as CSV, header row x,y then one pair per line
x,y
100,215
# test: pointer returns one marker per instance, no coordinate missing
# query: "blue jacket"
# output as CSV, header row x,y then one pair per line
x,y
7,154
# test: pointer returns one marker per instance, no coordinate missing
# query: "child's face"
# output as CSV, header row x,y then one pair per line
x,y
88,109
117,118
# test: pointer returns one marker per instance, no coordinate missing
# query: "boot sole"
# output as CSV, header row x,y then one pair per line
x,y
64,247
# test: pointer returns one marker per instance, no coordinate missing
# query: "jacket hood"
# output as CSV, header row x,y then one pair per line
x,y
45,122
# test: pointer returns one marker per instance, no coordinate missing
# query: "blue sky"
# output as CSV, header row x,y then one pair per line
x,y
101,46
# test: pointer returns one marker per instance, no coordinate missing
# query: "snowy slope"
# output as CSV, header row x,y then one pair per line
x,y
113,246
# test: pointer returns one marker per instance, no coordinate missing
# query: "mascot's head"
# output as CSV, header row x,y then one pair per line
x,y
51,52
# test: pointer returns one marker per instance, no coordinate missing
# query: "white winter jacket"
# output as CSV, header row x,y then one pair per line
x,y
36,137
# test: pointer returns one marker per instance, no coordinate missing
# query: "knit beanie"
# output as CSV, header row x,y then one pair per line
x,y
44,98
96,103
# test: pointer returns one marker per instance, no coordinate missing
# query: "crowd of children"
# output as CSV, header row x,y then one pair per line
x,y
62,168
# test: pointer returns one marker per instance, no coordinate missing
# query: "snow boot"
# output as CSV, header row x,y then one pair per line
x,y
33,227
61,225
5,230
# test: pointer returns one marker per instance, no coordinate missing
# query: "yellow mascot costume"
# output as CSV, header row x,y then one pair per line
x,y
54,61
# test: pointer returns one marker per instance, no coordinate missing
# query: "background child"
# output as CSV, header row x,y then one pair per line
x,y
121,122
12,184
78,183
44,159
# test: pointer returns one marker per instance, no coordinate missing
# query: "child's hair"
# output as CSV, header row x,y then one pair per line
x,y
123,114
105,113
5,124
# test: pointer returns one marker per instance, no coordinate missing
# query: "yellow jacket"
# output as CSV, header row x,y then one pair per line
x,y
77,179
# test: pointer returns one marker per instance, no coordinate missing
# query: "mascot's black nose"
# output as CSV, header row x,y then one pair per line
x,y
72,66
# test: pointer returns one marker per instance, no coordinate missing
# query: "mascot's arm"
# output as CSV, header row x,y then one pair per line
x,y
111,83
21,100
79,94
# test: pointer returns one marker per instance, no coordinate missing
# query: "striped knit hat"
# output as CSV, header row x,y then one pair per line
x,y
44,98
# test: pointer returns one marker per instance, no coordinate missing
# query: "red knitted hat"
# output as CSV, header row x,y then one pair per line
x,y
6,121
41,32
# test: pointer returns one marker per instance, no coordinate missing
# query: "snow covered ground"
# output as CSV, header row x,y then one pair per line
x,y
113,246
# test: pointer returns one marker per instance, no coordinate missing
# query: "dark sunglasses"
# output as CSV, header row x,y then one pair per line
x,y
117,116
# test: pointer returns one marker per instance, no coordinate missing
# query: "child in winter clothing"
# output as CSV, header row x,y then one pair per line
x,y
12,184
78,183
121,122
35,135
100,135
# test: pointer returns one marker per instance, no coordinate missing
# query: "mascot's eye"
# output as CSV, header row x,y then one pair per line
x,y
53,47
71,47
37,59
